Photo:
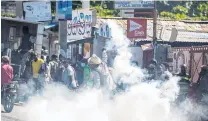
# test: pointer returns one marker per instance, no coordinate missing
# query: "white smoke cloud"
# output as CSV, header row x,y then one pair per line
x,y
143,102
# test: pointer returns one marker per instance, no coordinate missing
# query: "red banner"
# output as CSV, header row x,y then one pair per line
x,y
136,28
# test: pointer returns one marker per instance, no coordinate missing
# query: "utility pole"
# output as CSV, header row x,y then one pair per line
x,y
155,28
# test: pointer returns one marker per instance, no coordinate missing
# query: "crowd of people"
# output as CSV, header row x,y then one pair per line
x,y
89,73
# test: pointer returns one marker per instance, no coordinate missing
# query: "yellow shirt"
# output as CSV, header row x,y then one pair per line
x,y
36,66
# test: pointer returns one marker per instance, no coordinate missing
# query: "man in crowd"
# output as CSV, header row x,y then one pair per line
x,y
152,69
101,74
104,56
6,71
68,75
36,69
60,68
203,82
52,67
184,83
79,69
87,74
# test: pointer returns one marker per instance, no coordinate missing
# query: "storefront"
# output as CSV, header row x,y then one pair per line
x,y
11,31
82,48
80,34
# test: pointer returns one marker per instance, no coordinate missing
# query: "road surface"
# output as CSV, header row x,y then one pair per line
x,y
14,115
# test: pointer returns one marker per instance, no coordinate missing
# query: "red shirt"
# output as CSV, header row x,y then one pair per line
x,y
6,74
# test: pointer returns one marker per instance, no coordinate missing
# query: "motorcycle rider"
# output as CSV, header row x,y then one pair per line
x,y
7,97
6,72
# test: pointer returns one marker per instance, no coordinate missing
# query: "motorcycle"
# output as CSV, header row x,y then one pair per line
x,y
8,97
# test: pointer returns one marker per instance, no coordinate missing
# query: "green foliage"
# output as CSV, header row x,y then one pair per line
x,y
195,10
203,10
180,16
176,10
180,9
104,12
167,15
8,15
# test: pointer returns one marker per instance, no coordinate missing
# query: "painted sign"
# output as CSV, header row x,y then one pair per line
x,y
37,11
64,9
105,30
80,26
136,28
137,4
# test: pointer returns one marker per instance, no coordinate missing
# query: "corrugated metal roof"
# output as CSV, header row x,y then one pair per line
x,y
187,32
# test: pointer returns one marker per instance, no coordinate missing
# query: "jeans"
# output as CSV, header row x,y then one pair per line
x,y
37,85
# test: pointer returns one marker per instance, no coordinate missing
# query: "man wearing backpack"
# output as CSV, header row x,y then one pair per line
x,y
52,67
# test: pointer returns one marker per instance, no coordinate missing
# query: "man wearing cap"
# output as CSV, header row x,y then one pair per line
x,y
6,71
101,74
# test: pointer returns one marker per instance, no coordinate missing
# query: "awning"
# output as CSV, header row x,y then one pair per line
x,y
51,25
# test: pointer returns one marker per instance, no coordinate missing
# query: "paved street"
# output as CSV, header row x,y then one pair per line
x,y
14,115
